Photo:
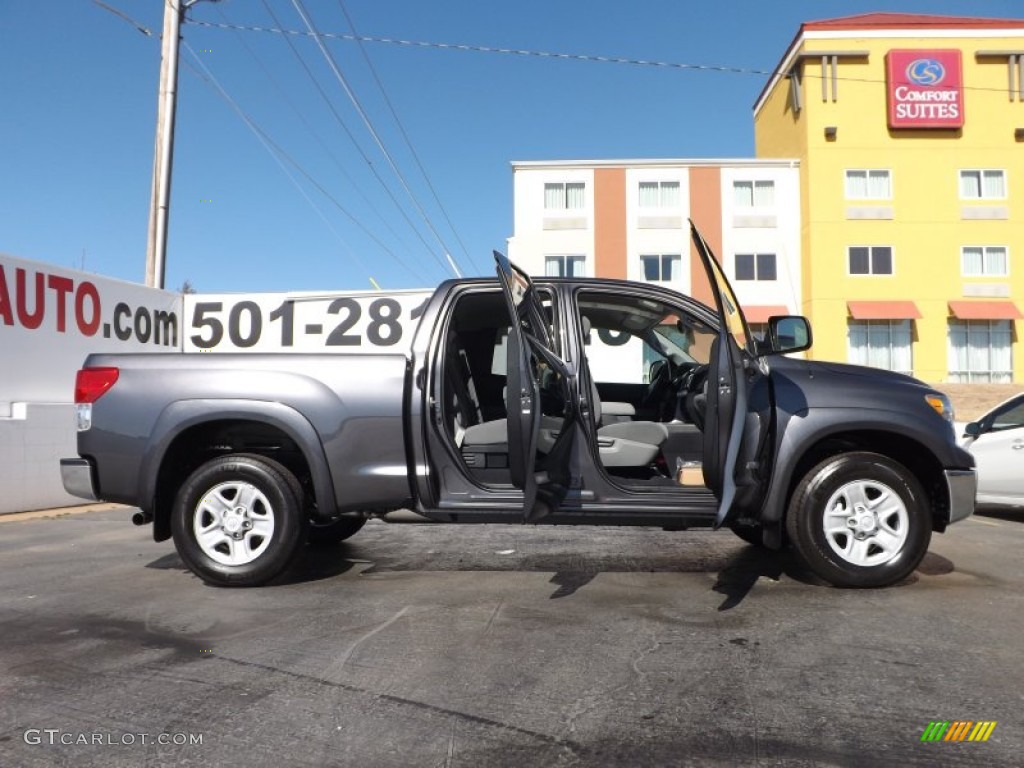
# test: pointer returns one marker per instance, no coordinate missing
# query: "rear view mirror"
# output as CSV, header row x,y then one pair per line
x,y
973,429
788,333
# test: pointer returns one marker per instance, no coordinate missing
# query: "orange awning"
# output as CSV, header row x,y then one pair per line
x,y
984,310
759,313
883,310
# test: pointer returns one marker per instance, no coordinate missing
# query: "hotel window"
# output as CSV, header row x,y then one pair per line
x,y
755,266
753,194
563,197
984,261
881,344
980,351
870,260
662,268
982,185
659,194
565,265
868,185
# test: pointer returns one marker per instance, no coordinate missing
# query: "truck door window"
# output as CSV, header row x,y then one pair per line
x,y
628,335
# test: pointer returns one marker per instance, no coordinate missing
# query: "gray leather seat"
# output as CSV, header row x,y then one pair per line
x,y
621,444
495,432
626,443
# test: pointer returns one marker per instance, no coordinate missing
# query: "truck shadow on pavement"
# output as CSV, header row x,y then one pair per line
x,y
738,570
1009,514
314,564
752,563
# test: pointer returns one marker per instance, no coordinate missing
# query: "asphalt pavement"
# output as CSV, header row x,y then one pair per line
x,y
431,645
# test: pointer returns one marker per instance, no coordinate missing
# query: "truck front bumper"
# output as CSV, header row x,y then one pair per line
x,y
78,478
962,485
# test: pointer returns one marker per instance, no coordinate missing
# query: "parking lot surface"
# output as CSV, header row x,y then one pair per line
x,y
424,645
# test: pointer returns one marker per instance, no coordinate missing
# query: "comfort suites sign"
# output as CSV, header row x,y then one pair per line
x,y
925,89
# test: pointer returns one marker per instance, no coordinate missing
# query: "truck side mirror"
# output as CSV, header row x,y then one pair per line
x,y
788,333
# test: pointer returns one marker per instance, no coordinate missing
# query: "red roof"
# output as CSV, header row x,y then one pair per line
x,y
985,310
882,21
759,313
910,21
883,310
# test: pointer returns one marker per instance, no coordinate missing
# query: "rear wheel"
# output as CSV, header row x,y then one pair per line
x,y
238,520
859,520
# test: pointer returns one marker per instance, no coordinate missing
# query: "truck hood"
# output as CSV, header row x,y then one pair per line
x,y
882,377
840,385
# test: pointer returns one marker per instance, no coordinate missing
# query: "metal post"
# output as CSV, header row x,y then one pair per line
x,y
156,250
1020,77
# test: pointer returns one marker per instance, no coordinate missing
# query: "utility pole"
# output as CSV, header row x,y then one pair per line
x,y
167,102
156,249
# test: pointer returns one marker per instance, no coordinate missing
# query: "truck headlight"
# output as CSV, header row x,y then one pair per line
x,y
941,404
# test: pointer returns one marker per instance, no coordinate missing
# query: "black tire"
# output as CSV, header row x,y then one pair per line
x,y
235,553
330,533
879,519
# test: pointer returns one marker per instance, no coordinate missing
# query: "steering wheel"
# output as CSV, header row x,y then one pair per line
x,y
693,380
691,387
659,385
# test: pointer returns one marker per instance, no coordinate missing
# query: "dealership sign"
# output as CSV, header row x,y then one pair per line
x,y
52,317
925,89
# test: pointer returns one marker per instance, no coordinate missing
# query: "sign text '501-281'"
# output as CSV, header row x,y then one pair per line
x,y
284,323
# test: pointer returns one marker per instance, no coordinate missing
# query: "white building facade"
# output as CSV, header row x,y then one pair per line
x,y
629,219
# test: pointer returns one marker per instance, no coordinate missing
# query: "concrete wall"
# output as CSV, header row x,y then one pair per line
x,y
32,440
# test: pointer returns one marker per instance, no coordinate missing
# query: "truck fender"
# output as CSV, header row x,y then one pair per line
x,y
183,414
802,430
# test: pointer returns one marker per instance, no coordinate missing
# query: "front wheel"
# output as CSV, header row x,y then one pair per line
x,y
238,520
859,520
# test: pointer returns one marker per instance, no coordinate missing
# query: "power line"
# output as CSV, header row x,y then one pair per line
x,y
401,128
277,153
207,77
369,124
721,68
356,187
143,29
487,49
355,143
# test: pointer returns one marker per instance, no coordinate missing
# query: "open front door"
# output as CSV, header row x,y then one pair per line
x,y
529,349
727,388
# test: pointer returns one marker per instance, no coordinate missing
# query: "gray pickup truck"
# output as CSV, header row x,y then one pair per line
x,y
563,401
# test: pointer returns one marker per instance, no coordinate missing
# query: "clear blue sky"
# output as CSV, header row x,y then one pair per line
x,y
77,119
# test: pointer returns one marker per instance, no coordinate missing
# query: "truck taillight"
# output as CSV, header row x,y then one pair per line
x,y
92,383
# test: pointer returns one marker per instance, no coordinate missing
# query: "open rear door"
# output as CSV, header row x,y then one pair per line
x,y
727,389
529,346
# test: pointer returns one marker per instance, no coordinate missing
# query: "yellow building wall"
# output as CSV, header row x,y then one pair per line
x,y
927,229
784,136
